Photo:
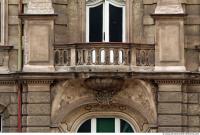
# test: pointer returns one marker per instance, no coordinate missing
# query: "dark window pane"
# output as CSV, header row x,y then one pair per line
x,y
105,125
116,23
85,127
125,127
96,24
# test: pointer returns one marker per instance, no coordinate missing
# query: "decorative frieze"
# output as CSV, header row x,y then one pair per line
x,y
7,83
190,82
38,81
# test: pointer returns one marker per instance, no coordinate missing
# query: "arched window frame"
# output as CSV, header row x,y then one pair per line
x,y
117,124
117,3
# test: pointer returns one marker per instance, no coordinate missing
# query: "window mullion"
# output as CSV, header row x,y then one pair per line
x,y
93,125
117,125
87,24
123,23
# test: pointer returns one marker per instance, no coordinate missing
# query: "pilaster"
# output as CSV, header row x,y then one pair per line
x,y
170,106
39,36
36,106
169,18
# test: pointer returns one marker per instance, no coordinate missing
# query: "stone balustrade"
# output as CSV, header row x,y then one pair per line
x,y
124,54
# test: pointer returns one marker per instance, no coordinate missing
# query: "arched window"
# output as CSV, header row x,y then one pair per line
x,y
105,20
105,125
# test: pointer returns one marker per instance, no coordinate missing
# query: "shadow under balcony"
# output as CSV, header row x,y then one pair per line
x,y
104,57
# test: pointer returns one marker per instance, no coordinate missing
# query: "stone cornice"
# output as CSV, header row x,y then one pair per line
x,y
194,77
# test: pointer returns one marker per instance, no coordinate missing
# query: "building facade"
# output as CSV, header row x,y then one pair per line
x,y
100,66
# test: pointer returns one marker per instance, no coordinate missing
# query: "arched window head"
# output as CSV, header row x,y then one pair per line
x,y
105,20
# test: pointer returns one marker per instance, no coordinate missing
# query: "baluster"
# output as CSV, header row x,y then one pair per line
x,y
133,56
147,57
121,56
151,58
79,56
86,56
89,60
111,54
83,57
97,56
138,58
116,56
107,56
102,56
94,56
69,57
126,56
61,57
64,57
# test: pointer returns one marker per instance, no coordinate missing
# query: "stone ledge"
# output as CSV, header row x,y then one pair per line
x,y
170,69
40,68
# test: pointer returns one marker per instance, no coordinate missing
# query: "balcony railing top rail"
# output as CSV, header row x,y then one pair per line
x,y
104,54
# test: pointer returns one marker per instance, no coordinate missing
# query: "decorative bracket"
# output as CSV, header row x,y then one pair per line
x,y
105,88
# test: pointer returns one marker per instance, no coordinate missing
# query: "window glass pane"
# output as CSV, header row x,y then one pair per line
x,y
125,127
85,127
115,23
105,125
96,24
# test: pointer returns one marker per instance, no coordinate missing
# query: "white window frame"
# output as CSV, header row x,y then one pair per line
x,y
105,17
117,124
4,24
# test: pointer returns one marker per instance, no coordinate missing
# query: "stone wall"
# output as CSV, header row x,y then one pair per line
x,y
36,107
192,99
170,108
8,105
192,32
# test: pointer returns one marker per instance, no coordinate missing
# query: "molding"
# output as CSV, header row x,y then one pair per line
x,y
38,81
7,83
175,82
178,82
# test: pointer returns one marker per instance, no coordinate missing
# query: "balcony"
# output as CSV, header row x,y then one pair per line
x,y
101,56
